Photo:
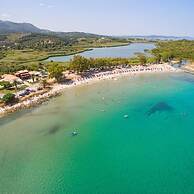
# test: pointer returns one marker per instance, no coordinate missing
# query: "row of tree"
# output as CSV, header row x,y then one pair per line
x,y
81,64
169,50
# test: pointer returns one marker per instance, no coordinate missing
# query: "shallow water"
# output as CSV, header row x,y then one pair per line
x,y
122,51
144,153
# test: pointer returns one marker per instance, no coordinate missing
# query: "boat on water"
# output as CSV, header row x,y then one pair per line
x,y
74,133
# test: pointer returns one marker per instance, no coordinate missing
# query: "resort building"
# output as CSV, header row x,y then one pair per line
x,y
23,74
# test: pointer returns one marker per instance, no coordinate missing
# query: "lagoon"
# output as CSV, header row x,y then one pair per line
x,y
121,51
151,151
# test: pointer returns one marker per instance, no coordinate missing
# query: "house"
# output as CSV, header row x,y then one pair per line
x,y
23,75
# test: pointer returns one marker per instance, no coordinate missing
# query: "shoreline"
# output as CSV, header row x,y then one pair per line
x,y
106,75
82,51
189,68
70,54
85,50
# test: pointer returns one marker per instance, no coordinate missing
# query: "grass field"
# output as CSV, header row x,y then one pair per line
x,y
25,56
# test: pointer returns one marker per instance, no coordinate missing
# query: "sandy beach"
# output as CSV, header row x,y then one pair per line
x,y
113,75
189,67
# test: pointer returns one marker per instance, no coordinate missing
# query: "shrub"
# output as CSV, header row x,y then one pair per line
x,y
5,84
9,98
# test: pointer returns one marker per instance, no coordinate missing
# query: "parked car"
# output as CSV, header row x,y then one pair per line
x,y
24,93
30,90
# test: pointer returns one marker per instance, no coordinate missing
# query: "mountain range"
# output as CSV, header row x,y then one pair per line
x,y
7,27
159,37
12,27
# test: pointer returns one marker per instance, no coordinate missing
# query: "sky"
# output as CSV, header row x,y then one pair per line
x,y
107,17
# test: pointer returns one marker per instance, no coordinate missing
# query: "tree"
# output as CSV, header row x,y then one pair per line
x,y
44,83
15,85
166,56
158,58
9,98
142,59
152,60
80,64
56,71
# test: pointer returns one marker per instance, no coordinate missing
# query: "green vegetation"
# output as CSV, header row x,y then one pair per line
x,y
20,60
56,71
9,98
142,59
165,52
7,87
81,64
57,41
5,84
29,51
20,51
178,50
2,55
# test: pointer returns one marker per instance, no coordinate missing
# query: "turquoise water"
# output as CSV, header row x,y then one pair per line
x,y
123,51
151,151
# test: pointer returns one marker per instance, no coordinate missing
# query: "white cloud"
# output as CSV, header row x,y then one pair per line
x,y
42,4
50,6
5,16
45,5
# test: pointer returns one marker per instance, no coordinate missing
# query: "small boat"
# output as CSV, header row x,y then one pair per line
x,y
74,133
126,116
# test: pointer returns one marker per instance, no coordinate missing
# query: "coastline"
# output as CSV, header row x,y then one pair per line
x,y
111,75
189,68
